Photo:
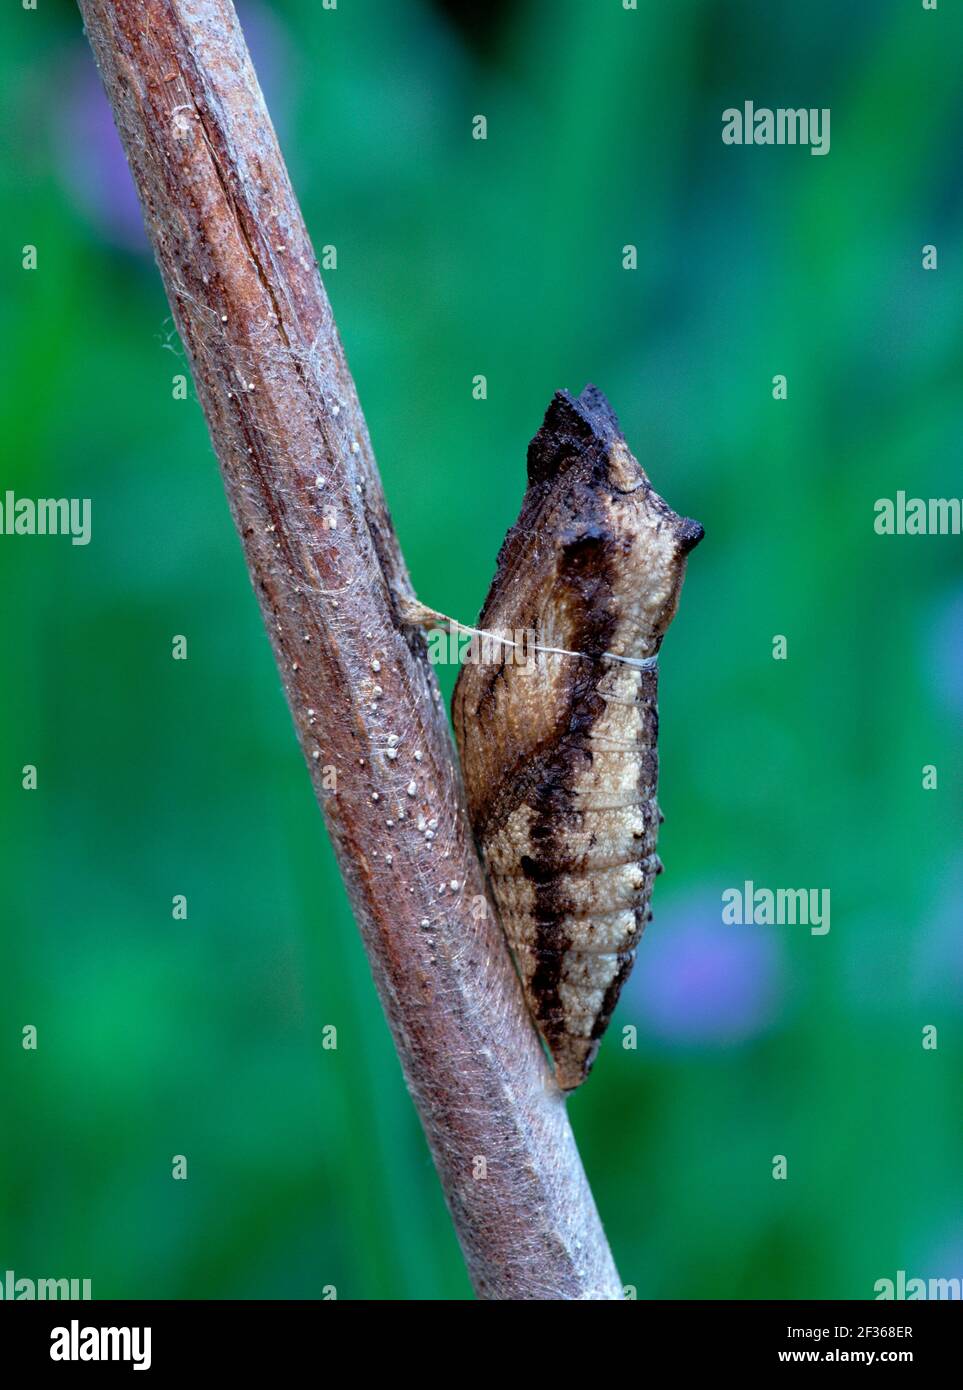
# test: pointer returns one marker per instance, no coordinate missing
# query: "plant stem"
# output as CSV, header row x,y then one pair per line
x,y
305,494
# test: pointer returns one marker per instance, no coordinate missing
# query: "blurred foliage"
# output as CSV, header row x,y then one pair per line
x,y
307,1167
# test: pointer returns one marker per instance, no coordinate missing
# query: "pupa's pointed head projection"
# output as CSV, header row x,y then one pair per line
x,y
557,733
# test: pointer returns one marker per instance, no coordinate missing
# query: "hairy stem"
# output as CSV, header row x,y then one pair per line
x,y
305,494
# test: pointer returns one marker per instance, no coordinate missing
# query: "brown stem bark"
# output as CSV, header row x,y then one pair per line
x,y
305,493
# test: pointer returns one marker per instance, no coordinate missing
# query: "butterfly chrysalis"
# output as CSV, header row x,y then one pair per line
x,y
559,750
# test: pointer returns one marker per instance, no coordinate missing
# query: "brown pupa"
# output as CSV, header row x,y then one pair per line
x,y
558,748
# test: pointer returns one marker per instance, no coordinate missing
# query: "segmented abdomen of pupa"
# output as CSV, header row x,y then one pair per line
x,y
559,747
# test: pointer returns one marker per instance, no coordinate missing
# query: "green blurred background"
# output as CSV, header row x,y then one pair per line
x,y
307,1167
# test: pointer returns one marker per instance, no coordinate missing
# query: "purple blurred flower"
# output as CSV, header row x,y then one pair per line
x,y
936,972
697,980
946,653
943,1258
92,161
